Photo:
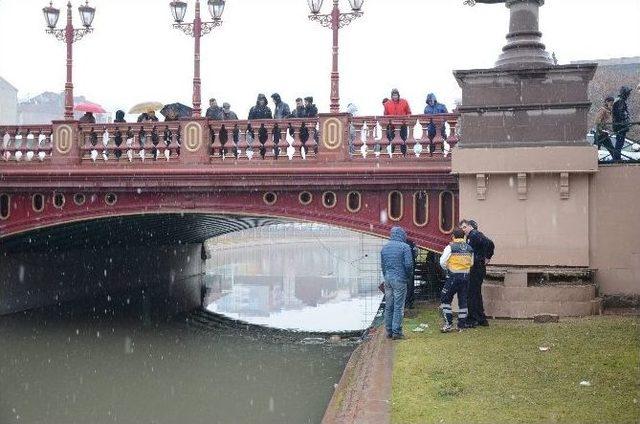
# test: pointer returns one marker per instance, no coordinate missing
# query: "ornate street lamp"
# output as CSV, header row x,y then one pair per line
x,y
335,20
196,30
69,35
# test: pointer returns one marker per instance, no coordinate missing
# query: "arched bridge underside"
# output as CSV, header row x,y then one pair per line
x,y
149,230
140,215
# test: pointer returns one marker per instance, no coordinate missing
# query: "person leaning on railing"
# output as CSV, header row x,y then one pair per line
x,y
435,108
397,106
602,122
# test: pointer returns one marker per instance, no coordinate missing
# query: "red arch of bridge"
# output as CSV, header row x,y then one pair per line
x,y
287,206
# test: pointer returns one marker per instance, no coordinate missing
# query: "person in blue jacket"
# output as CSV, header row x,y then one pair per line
x,y
434,108
396,261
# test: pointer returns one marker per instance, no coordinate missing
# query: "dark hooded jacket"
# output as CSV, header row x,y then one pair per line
x,y
620,111
87,118
311,111
299,112
396,257
119,116
214,113
433,107
281,109
260,111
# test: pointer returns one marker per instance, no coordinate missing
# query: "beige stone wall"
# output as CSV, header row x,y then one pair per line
x,y
615,232
533,231
520,202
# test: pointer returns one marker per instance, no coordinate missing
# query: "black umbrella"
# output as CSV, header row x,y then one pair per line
x,y
176,111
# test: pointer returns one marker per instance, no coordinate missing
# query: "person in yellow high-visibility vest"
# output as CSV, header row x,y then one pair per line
x,y
457,260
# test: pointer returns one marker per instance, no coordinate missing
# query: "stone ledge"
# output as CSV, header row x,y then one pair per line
x,y
526,302
514,160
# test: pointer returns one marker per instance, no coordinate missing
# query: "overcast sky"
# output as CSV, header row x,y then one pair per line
x,y
264,46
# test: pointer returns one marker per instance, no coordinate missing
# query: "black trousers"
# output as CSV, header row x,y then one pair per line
x,y
411,288
475,302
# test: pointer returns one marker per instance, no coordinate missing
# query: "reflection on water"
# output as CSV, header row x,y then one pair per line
x,y
296,276
106,365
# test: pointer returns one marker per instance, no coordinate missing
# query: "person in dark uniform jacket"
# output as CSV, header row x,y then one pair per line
x,y
411,284
483,249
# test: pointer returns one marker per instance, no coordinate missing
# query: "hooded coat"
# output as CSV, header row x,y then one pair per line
x,y
433,107
620,111
396,257
119,116
281,109
261,111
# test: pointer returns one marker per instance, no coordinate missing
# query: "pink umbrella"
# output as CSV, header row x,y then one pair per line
x,y
89,107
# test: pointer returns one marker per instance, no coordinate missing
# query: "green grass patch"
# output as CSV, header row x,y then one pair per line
x,y
498,374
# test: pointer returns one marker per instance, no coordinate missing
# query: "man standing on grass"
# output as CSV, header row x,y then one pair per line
x,y
456,259
483,251
396,261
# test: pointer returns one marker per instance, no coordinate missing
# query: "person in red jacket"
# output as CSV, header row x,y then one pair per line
x,y
396,106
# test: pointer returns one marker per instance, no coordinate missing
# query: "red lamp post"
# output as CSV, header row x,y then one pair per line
x,y
69,35
196,30
335,20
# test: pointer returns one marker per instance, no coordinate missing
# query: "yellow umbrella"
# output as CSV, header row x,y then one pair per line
x,y
146,107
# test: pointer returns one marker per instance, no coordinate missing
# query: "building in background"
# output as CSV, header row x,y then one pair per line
x,y
8,103
49,106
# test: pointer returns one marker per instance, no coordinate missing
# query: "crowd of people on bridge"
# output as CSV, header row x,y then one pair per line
x,y
464,262
281,110
304,108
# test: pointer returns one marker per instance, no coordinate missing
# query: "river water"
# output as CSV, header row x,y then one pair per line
x,y
113,361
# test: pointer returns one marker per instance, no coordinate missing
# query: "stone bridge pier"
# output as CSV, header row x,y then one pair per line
x,y
531,180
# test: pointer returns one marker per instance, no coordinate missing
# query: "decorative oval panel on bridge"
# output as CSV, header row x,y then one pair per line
x,y
193,136
332,130
63,139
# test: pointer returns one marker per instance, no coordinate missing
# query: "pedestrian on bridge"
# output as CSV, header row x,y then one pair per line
x,y
397,106
310,110
397,268
261,110
621,119
227,113
214,111
281,110
299,111
602,123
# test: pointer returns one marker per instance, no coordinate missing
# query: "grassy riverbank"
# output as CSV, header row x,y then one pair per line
x,y
498,374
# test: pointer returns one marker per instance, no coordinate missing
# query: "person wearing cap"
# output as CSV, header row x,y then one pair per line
x,y
483,249
620,115
214,111
299,111
281,109
227,113
310,109
602,122
396,106
261,110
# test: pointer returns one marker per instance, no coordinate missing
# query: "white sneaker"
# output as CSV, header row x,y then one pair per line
x,y
447,328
